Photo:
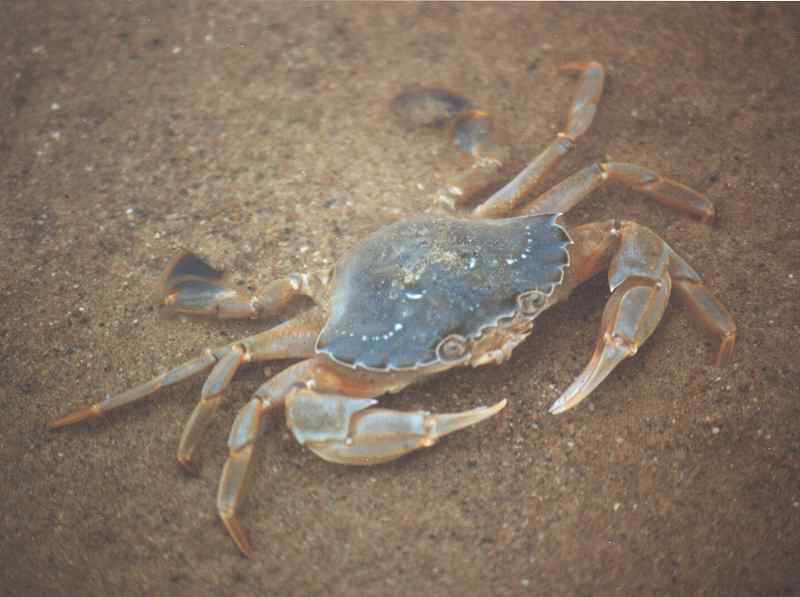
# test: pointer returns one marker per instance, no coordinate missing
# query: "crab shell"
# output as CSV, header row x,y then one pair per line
x,y
410,286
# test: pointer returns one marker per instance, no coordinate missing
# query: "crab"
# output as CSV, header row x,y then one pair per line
x,y
429,294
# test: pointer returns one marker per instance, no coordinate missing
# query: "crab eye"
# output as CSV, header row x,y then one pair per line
x,y
452,348
531,302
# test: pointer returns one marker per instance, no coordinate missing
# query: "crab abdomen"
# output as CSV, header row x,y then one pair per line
x,y
413,283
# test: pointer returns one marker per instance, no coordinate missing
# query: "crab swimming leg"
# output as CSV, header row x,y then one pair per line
x,y
292,339
640,277
189,286
581,113
473,134
568,193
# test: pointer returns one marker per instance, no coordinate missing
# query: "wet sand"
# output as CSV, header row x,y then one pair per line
x,y
260,135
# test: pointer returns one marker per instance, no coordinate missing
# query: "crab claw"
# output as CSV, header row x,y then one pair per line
x,y
190,286
606,357
354,433
444,424
640,292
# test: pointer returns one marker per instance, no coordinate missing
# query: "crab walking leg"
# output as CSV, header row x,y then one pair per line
x,y
241,444
347,431
640,287
181,372
291,339
192,287
579,119
218,380
706,310
567,194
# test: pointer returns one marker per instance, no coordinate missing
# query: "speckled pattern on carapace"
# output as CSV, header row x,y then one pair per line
x,y
405,288
262,136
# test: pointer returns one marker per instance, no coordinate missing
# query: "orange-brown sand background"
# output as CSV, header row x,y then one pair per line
x,y
260,135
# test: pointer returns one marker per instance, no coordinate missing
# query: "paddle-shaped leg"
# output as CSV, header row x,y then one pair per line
x,y
474,136
190,286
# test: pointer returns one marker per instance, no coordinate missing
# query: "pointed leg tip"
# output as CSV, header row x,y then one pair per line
x,y
75,416
572,67
496,408
188,467
484,412
446,423
564,403
725,352
238,535
56,423
246,553
245,548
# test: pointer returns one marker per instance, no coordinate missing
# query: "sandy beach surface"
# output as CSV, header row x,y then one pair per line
x,y
260,135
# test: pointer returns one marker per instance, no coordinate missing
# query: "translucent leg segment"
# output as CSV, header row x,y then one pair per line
x,y
579,119
241,444
173,376
706,310
347,431
567,194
